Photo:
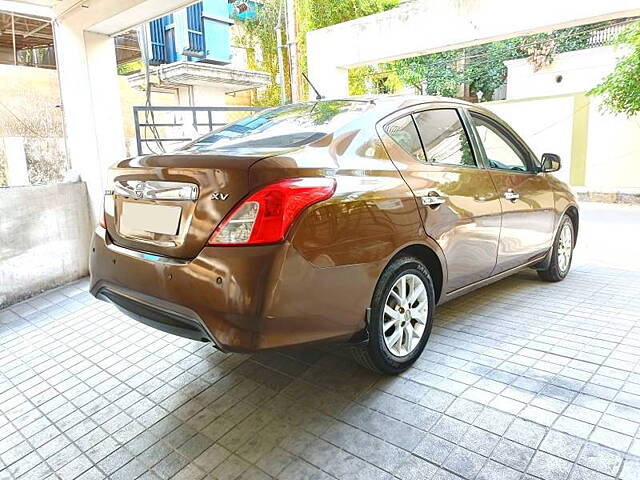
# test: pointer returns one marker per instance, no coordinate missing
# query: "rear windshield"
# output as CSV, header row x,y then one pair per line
x,y
282,127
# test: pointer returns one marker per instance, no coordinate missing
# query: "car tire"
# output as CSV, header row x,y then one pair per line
x,y
399,324
562,253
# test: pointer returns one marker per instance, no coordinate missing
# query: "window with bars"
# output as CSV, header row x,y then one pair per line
x,y
162,43
195,27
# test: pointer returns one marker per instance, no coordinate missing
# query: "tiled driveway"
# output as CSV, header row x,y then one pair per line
x,y
520,380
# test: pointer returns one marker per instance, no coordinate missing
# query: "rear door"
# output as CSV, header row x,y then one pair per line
x,y
525,195
456,197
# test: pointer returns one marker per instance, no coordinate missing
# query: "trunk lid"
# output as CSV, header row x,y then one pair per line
x,y
170,204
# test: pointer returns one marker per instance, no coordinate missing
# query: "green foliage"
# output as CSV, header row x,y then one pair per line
x,y
130,67
310,15
433,74
484,68
260,31
481,68
329,12
621,89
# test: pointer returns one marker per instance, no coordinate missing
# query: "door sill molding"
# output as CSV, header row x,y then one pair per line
x,y
494,278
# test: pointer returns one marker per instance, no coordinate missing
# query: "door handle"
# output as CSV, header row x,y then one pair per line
x,y
511,195
432,200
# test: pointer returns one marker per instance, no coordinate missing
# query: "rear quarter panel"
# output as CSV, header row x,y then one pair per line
x,y
343,244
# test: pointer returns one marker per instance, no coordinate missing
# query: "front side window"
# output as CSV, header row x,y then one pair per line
x,y
404,133
501,152
444,138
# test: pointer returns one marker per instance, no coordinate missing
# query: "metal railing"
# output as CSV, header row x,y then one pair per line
x,y
159,129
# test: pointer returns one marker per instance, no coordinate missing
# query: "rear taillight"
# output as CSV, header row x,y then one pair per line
x,y
266,215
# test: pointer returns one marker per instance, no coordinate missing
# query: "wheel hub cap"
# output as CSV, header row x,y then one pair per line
x,y
405,315
565,248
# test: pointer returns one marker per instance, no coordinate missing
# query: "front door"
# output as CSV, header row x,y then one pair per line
x,y
455,194
526,198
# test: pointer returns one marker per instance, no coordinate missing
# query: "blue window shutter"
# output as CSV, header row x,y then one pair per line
x,y
170,40
156,29
195,26
162,43
217,31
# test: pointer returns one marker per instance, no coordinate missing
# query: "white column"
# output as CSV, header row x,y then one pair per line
x,y
330,80
17,173
91,105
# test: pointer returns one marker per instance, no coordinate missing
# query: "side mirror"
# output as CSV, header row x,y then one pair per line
x,y
550,162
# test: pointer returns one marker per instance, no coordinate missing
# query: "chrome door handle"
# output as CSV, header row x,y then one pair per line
x,y
511,195
432,200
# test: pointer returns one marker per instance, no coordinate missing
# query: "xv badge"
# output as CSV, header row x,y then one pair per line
x,y
219,196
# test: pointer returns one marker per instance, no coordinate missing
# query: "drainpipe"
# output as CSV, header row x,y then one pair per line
x,y
279,47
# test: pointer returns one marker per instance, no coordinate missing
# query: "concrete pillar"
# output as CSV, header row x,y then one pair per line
x,y
91,105
330,80
17,173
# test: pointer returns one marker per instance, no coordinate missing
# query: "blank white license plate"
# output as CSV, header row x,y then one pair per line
x,y
136,217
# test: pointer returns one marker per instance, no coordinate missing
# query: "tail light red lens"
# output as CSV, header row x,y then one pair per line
x,y
266,215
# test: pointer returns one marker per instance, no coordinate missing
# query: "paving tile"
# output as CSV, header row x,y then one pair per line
x,y
434,449
573,427
562,445
464,463
497,471
512,454
582,473
301,469
494,421
525,432
549,467
479,441
366,446
630,469
450,429
75,468
508,388
415,468
611,439
601,459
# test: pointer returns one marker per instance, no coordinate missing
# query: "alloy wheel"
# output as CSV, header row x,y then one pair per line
x,y
565,248
405,315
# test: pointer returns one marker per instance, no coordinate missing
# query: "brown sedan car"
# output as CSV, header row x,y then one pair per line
x,y
344,220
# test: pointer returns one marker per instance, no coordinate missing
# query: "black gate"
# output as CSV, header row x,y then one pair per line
x,y
159,129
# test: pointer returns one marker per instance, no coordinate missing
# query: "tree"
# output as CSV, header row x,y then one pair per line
x,y
310,15
621,89
481,68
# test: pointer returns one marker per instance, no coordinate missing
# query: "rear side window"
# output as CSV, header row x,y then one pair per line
x,y
444,138
404,133
282,127
433,136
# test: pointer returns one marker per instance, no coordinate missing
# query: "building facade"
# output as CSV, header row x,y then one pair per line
x,y
190,52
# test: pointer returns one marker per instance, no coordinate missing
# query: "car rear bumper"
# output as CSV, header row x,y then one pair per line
x,y
240,298
154,312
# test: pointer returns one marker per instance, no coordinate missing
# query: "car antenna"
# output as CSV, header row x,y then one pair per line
x,y
318,96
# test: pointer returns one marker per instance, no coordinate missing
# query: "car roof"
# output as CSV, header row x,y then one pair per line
x,y
400,100
386,104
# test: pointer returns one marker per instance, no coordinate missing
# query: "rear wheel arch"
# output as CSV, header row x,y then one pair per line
x,y
430,259
574,216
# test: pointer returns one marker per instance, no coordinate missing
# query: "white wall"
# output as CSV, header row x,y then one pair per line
x,y
571,125
45,242
545,124
427,26
580,71
613,150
